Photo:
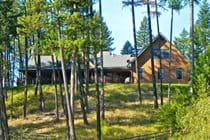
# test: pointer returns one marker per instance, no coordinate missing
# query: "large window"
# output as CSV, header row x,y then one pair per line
x,y
163,53
156,53
140,72
179,73
161,74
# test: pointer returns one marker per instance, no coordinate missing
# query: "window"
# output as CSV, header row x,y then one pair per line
x,y
179,73
165,54
156,53
140,72
161,74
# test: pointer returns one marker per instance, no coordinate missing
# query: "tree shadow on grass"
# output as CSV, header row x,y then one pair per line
x,y
131,121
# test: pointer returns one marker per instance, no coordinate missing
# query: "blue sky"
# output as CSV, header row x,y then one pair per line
x,y
119,21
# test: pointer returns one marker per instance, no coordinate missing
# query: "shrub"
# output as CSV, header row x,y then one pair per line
x,y
197,120
171,115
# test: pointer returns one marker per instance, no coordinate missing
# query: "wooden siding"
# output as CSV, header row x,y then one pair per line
x,y
177,61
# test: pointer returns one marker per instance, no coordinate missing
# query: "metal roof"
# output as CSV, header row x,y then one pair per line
x,y
111,61
115,61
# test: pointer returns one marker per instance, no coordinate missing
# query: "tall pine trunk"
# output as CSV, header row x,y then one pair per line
x,y
56,88
87,78
192,57
160,57
61,88
72,81
136,53
102,67
4,130
41,96
37,74
98,117
13,78
152,57
69,115
81,94
170,49
20,57
26,79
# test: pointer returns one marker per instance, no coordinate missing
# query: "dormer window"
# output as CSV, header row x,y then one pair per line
x,y
165,54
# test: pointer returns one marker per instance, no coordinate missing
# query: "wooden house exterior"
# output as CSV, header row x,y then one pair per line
x,y
115,69
179,71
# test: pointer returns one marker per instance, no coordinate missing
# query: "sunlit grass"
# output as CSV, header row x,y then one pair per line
x,y
124,116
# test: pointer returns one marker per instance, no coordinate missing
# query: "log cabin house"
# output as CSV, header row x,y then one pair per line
x,y
117,68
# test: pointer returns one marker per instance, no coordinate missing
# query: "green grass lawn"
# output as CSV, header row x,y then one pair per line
x,y
124,116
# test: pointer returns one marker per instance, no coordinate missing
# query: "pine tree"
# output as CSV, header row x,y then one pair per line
x,y
127,48
202,29
182,43
106,35
192,44
6,15
143,35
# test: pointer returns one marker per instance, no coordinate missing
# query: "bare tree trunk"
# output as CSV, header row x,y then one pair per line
x,y
8,60
56,89
4,130
69,118
81,95
75,77
87,77
152,58
20,57
98,119
72,82
41,96
13,78
169,67
192,57
26,79
102,68
160,57
37,75
61,88
136,53
5,71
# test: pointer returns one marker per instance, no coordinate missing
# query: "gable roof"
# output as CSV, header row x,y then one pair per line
x,y
157,40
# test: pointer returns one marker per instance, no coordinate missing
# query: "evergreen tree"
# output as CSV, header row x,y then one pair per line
x,y
6,16
192,43
106,34
127,48
182,43
143,35
202,28
202,77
